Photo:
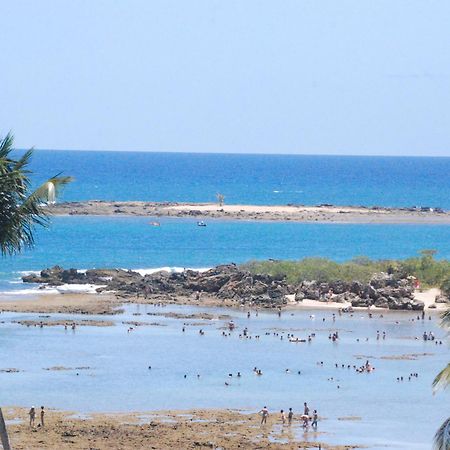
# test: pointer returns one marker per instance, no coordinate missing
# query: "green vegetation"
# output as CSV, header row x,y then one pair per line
x,y
429,271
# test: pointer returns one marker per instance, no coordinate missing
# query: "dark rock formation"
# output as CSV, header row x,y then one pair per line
x,y
230,282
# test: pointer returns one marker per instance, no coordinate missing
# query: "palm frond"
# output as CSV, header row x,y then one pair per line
x,y
24,160
41,193
442,379
6,145
446,319
442,436
20,210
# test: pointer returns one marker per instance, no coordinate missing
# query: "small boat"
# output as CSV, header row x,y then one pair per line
x,y
201,224
155,224
297,340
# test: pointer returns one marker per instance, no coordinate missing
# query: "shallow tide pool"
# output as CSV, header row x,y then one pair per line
x,y
372,409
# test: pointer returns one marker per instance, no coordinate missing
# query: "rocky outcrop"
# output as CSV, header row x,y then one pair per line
x,y
230,282
383,290
57,276
442,299
227,282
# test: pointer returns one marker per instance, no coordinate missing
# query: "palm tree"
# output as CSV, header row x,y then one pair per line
x,y
20,211
442,380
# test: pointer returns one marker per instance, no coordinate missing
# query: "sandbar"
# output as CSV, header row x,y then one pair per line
x,y
296,213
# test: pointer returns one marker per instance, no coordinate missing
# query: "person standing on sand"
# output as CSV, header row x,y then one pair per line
x,y
42,416
283,417
264,415
32,414
290,416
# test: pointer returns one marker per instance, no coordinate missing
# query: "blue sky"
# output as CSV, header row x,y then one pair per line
x,y
279,76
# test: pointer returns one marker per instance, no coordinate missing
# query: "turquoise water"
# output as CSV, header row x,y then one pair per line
x,y
86,242
393,415
251,179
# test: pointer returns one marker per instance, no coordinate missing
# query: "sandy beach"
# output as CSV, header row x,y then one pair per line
x,y
296,213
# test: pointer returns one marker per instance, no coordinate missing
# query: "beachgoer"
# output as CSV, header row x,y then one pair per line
x,y
306,409
290,416
283,417
42,416
264,415
315,417
305,419
32,414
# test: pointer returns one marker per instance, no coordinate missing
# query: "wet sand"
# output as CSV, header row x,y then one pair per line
x,y
296,213
194,429
110,304
62,303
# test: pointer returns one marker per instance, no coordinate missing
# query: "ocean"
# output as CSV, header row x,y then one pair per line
x,y
85,242
372,409
250,179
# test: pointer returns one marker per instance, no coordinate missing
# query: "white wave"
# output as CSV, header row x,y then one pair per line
x,y
78,288
29,291
63,289
144,272
28,272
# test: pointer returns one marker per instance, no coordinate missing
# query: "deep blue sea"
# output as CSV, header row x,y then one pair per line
x,y
250,179
85,242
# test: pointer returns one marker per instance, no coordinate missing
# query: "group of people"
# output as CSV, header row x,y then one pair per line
x,y
305,418
32,414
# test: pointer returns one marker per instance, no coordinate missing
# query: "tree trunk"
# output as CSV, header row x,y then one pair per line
x,y
4,433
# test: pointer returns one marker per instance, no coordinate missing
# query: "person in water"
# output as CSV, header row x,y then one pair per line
x,y
283,417
315,417
306,409
264,415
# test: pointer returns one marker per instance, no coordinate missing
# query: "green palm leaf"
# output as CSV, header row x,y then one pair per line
x,y
442,436
20,209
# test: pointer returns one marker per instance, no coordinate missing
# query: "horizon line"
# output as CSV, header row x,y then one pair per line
x,y
232,153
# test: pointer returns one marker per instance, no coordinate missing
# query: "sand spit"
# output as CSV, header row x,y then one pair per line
x,y
296,213
196,429
64,323
64,304
405,357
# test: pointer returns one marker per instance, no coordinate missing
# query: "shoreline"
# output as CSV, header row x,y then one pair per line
x,y
282,213
187,429
110,304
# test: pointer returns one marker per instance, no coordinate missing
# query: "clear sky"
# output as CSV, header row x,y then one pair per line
x,y
263,76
